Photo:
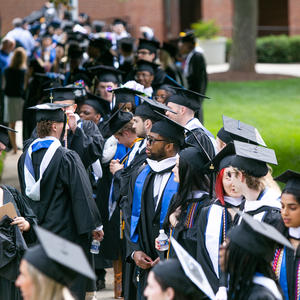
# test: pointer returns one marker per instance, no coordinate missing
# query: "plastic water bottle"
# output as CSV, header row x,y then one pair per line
x,y
95,247
163,241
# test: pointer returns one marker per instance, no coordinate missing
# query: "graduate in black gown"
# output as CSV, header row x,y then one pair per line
x,y
57,185
246,256
15,234
150,193
192,196
286,263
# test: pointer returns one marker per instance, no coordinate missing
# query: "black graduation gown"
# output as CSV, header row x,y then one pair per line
x,y
147,229
259,292
8,272
87,141
187,234
67,207
205,258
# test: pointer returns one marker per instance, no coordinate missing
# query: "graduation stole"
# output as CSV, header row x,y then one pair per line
x,y
32,187
279,268
170,189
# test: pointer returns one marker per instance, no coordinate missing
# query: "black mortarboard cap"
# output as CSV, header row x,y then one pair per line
x,y
74,50
186,98
196,158
100,105
257,237
101,43
4,138
125,95
49,112
144,65
169,129
34,16
65,93
126,44
150,45
170,48
251,158
58,258
192,271
106,73
187,36
242,132
291,180
117,120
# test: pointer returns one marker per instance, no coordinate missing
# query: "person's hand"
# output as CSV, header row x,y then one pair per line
x,y
155,262
72,123
115,166
98,235
142,260
22,223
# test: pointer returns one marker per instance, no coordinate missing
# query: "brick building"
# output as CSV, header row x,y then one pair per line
x,y
169,17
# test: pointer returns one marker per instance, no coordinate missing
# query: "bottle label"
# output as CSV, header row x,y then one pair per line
x,y
163,244
94,248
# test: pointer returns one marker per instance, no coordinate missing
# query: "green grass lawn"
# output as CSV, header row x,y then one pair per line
x,y
273,107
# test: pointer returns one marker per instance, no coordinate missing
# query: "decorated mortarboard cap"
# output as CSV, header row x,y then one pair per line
x,y
187,36
242,132
251,158
193,272
59,93
169,129
144,65
117,120
58,258
186,98
125,95
100,105
50,112
106,73
291,180
4,138
150,45
257,237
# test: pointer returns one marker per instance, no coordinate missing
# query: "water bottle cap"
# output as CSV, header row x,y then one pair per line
x,y
161,231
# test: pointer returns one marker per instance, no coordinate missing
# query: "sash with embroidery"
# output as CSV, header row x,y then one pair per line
x,y
32,186
170,189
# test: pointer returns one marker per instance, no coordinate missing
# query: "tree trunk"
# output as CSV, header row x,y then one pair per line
x,y
243,52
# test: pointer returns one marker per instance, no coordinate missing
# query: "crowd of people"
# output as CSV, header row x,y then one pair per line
x,y
116,153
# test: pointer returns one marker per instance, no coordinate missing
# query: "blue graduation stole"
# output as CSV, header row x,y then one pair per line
x,y
283,278
170,189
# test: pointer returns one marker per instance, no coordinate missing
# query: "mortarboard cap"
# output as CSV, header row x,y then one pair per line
x,y
126,44
57,94
101,43
125,95
106,73
257,237
186,98
169,129
58,258
291,180
187,36
242,132
100,105
4,138
50,112
117,120
34,16
170,48
144,65
74,49
192,269
251,158
150,45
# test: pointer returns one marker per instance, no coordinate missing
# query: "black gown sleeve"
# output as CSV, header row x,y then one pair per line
x,y
259,292
85,212
87,142
26,212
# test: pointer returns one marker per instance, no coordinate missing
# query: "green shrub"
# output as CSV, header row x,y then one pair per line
x,y
205,30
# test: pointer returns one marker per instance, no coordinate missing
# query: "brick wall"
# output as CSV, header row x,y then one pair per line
x,y
10,9
221,12
294,20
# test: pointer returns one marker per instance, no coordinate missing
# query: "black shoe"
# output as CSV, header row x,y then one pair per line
x,y
100,284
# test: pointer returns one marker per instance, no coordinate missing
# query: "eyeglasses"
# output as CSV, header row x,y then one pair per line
x,y
152,140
